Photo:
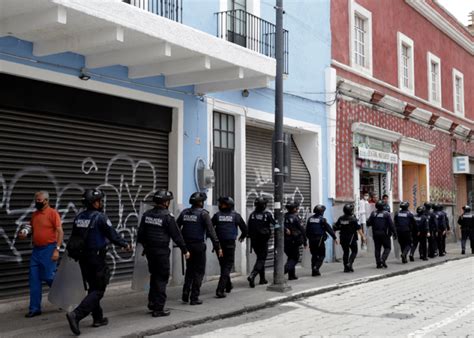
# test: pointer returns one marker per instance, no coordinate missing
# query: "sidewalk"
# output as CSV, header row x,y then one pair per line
x,y
128,314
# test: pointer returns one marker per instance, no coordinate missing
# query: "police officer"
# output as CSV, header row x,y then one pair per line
x,y
195,223
446,226
96,230
260,229
433,222
294,238
441,220
226,222
382,229
157,227
317,229
420,233
404,223
348,227
466,221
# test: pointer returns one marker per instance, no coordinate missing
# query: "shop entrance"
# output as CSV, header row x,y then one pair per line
x,y
414,184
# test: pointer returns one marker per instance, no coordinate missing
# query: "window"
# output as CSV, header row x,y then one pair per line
x,y
224,130
406,74
360,37
434,79
458,92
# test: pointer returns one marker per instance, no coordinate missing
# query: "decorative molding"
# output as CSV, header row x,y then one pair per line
x,y
393,103
395,89
443,123
462,130
452,128
415,147
421,114
376,97
408,110
433,120
441,23
375,132
357,90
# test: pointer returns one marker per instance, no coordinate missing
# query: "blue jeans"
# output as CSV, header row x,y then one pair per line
x,y
42,269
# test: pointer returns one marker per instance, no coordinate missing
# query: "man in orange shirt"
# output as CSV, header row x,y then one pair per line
x,y
47,240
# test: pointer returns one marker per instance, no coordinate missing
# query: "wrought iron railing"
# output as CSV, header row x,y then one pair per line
x,y
171,9
252,32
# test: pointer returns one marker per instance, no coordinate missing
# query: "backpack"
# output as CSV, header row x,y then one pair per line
x,y
76,245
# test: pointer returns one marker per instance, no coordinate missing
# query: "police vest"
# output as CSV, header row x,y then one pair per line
x,y
88,222
403,221
193,229
380,223
156,223
441,220
421,224
292,222
315,226
467,222
226,225
259,222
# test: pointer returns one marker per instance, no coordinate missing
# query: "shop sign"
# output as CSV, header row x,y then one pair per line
x,y
376,155
372,165
461,165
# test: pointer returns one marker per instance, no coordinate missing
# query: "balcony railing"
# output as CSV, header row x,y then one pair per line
x,y
171,9
252,32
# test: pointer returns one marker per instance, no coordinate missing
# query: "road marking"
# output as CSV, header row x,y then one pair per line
x,y
430,328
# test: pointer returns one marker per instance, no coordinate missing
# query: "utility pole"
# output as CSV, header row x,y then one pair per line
x,y
279,282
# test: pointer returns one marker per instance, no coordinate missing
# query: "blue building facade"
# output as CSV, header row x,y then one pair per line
x,y
134,99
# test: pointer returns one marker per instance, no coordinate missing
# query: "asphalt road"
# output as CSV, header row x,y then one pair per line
x,y
438,301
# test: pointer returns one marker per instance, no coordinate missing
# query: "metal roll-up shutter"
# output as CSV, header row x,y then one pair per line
x,y
65,155
259,175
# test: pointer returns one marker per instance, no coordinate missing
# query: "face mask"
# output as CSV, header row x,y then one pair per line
x,y
366,198
39,205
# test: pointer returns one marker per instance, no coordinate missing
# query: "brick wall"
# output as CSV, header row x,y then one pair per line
x,y
441,178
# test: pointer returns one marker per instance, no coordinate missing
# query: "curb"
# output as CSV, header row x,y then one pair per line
x,y
287,298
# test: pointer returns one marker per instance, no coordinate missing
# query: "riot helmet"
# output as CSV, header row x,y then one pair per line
x,y
404,205
380,205
319,210
348,209
466,208
260,203
420,210
197,199
226,203
162,196
90,196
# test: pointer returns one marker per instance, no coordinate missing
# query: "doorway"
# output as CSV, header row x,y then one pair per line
x,y
414,184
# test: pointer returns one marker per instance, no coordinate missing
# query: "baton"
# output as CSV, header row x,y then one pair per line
x,y
182,264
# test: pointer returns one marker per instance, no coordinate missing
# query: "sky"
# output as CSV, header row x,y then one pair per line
x,y
459,8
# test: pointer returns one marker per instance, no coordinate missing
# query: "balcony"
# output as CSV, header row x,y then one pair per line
x,y
171,9
252,32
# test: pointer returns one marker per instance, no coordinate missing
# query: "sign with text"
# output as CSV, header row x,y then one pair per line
x,y
376,155
461,165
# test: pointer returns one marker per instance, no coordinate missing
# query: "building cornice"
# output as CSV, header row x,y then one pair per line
x,y
415,147
375,132
441,23
397,90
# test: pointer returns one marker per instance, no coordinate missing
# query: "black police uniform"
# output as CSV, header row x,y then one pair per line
x,y
382,229
404,224
421,231
466,221
97,230
317,229
447,228
195,223
260,223
226,223
432,240
157,227
348,225
441,233
293,241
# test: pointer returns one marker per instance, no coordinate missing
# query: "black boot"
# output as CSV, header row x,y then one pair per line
x,y
292,275
196,302
251,279
263,281
185,296
315,272
404,259
98,323
229,287
463,252
160,313
73,323
350,267
346,268
220,293
412,259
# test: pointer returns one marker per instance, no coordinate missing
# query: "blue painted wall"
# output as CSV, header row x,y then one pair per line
x,y
195,111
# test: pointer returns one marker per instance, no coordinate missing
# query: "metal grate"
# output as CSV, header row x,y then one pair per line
x,y
171,9
66,155
250,31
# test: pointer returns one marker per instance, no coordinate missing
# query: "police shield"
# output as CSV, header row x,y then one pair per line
x,y
141,275
67,290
